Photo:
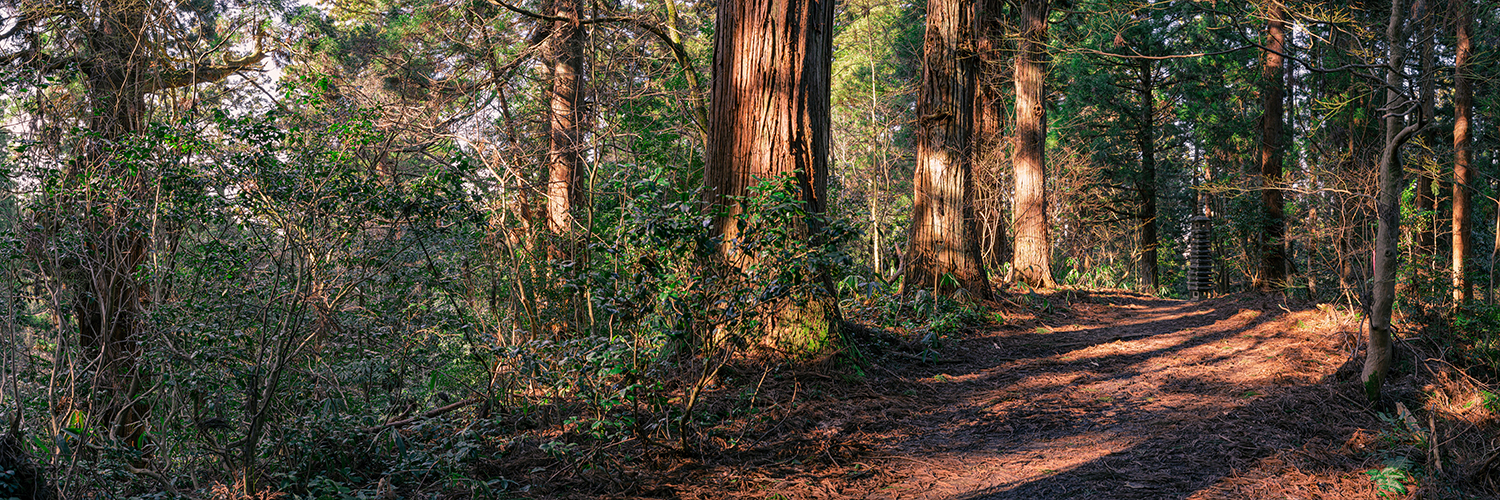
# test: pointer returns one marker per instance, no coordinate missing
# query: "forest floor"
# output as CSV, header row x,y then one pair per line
x,y
1107,395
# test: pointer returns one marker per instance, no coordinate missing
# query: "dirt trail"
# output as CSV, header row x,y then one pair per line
x,y
1123,396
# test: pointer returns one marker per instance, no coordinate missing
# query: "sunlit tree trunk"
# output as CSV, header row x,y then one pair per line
x,y
944,237
565,63
1033,249
1388,211
1272,272
1463,154
769,118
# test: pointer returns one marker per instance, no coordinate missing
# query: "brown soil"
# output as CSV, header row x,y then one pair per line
x,y
1116,396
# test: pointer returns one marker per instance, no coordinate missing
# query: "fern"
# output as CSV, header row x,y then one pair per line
x,y
1392,478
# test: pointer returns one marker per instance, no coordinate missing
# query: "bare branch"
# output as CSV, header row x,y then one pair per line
x,y
1139,56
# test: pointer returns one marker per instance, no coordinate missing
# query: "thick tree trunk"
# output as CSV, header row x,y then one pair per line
x,y
565,62
1033,248
768,119
990,75
110,303
944,236
989,125
1463,154
1378,352
1272,273
1146,183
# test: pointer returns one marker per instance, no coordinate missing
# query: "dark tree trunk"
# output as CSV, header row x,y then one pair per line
x,y
944,236
769,119
989,125
110,303
1146,183
1427,183
990,75
1463,154
1033,249
1272,273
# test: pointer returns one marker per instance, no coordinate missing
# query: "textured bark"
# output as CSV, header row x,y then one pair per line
x,y
989,36
769,118
565,62
1463,154
1272,275
944,236
1033,248
1388,212
1146,183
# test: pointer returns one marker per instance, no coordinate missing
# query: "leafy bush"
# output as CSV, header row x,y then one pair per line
x,y
1476,337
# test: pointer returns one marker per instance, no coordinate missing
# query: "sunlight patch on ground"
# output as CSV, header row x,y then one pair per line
x,y
989,472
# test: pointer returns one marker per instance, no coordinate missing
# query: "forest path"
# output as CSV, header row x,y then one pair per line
x,y
1121,396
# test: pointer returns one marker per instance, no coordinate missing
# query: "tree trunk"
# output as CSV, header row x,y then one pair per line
x,y
1463,155
565,62
1354,132
110,301
1388,213
1033,249
1272,275
1146,183
769,118
1427,188
989,125
944,237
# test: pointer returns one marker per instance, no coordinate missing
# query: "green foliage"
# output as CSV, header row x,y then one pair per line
x,y
678,286
303,289
928,318
1098,275
877,57
1391,479
10,485
1475,337
1403,435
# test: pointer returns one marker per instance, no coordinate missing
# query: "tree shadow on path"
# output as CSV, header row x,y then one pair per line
x,y
1135,398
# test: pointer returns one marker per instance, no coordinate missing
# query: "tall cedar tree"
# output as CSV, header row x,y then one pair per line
x,y
1146,183
1272,275
122,61
1428,184
768,119
1032,260
990,114
944,236
564,59
1463,155
1388,208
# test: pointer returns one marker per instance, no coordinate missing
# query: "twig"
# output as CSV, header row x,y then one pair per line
x,y
159,479
909,458
1361,406
1116,338
430,414
1432,441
